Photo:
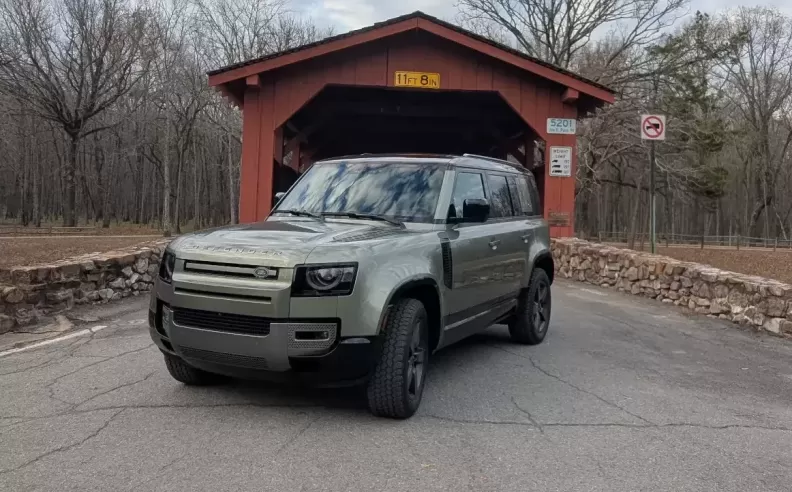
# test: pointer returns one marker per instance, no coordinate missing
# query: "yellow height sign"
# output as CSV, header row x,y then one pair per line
x,y
417,79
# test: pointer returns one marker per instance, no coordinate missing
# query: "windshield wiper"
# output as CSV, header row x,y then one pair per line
x,y
302,213
355,215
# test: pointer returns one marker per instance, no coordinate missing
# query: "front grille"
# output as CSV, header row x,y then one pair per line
x,y
233,323
231,270
224,359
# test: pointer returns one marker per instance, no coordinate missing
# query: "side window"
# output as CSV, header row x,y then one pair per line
x,y
467,185
515,196
501,200
528,202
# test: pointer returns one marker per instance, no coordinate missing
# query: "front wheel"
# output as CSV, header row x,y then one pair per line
x,y
532,319
396,386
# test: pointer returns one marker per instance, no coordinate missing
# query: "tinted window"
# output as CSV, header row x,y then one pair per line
x,y
527,201
500,199
467,185
406,192
515,196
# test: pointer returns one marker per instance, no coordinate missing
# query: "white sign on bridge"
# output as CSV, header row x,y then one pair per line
x,y
564,126
561,161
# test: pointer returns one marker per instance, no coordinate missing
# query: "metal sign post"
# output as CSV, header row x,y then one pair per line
x,y
653,127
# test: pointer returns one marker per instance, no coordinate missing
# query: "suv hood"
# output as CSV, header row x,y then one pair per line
x,y
281,243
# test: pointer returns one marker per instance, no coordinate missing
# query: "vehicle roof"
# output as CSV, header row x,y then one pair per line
x,y
465,160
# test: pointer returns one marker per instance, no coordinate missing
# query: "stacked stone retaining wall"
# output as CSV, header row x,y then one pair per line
x,y
26,293
748,300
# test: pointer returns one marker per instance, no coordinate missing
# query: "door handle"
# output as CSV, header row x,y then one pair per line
x,y
526,237
494,244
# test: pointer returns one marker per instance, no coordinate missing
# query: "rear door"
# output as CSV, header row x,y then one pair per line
x,y
510,253
530,217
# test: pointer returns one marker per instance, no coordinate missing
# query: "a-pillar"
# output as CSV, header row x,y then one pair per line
x,y
259,144
559,192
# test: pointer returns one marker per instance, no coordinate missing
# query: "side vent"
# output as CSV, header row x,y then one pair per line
x,y
448,265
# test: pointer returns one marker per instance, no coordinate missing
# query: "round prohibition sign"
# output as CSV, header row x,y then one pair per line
x,y
652,127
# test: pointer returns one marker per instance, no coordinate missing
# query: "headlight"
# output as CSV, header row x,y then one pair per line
x,y
324,280
167,265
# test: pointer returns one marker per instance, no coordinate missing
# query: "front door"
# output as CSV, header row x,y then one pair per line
x,y
477,264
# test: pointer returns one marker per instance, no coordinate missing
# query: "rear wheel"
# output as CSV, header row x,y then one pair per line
x,y
532,319
396,386
187,374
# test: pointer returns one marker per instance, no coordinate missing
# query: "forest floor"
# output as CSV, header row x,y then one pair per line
x,y
25,251
755,261
87,229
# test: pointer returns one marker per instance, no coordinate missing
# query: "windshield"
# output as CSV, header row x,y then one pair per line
x,y
401,191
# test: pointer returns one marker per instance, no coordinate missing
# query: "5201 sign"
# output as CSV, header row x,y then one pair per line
x,y
564,126
424,80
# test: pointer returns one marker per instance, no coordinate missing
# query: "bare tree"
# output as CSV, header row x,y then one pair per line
x,y
70,62
759,75
557,30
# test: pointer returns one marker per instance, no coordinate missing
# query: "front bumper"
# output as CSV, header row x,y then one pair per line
x,y
289,349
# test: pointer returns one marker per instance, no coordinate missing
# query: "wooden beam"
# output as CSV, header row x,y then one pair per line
x,y
293,147
570,96
277,148
253,80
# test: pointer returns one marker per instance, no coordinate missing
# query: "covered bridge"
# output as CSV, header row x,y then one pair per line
x,y
410,84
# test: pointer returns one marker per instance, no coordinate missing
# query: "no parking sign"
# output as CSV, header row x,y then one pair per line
x,y
653,127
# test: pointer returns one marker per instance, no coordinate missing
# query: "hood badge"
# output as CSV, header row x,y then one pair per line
x,y
264,272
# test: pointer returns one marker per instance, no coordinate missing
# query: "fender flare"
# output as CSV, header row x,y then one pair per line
x,y
403,285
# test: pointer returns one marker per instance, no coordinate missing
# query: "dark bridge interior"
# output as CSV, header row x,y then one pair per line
x,y
343,120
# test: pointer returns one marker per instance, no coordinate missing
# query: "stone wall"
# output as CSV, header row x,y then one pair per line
x,y
753,301
26,293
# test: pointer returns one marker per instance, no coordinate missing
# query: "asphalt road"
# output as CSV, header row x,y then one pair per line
x,y
624,395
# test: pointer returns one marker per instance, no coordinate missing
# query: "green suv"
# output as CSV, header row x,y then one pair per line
x,y
364,268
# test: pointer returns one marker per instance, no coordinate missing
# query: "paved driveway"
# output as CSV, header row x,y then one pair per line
x,y
624,395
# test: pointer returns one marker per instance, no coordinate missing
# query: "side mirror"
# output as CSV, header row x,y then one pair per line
x,y
475,210
278,196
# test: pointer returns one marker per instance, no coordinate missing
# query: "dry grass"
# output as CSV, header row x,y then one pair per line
x,y
25,252
762,262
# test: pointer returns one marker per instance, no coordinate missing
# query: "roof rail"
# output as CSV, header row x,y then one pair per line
x,y
494,159
502,162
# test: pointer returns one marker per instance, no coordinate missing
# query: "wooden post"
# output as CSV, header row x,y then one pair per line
x,y
702,241
738,242
775,246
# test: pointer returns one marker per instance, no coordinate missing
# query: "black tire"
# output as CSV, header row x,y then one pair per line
x,y
187,374
532,319
396,386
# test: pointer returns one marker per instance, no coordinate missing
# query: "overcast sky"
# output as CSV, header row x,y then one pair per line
x,y
345,15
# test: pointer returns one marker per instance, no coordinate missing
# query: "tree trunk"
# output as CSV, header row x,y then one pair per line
x,y
69,190
166,183
196,188
634,217
177,202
